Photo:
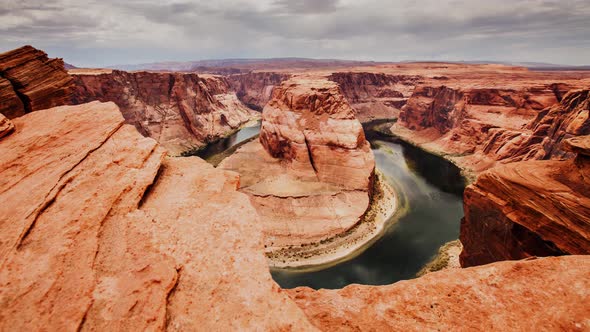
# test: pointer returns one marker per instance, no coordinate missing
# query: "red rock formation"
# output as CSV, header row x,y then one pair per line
x,y
255,89
309,122
534,208
311,173
376,95
6,126
91,238
518,296
181,111
30,81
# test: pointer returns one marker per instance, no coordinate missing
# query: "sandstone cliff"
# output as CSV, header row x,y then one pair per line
x,y
100,231
478,126
255,89
30,81
534,208
548,294
181,111
310,175
376,95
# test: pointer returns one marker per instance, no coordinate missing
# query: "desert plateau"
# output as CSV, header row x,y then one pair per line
x,y
286,165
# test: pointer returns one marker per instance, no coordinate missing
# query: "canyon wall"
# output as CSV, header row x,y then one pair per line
x,y
255,89
376,95
533,208
30,81
181,111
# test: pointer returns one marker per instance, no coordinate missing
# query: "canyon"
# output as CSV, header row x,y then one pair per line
x,y
178,244
183,111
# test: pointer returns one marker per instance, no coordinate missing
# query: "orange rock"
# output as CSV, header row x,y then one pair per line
x,y
255,89
100,232
182,112
6,126
310,175
533,208
522,296
30,81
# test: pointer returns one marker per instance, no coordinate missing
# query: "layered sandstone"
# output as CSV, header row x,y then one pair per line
x,y
376,95
479,123
548,293
534,208
255,89
31,81
310,175
100,231
183,112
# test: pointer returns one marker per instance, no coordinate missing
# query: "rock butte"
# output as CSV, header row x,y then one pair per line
x,y
183,111
310,176
30,81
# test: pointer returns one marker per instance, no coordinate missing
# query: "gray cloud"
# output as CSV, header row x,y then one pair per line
x,y
106,32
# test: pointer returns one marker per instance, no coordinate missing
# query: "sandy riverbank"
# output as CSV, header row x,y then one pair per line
x,y
384,210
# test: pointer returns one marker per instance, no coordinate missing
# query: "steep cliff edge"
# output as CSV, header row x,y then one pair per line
x,y
100,231
376,95
30,81
534,208
479,127
255,89
181,111
518,296
311,174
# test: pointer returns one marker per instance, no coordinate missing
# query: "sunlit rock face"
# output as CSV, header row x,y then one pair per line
x,y
30,81
181,111
533,208
99,230
310,175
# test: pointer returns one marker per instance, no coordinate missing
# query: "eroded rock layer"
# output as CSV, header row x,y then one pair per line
x,y
376,95
534,208
100,231
30,81
523,296
255,89
311,173
181,111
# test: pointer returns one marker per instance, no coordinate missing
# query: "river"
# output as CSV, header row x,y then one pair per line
x,y
431,189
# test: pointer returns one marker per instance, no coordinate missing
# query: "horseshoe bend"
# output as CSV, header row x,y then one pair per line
x,y
293,194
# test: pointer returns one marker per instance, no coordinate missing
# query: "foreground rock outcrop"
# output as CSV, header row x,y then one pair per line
x,y
30,81
310,176
183,112
534,208
548,293
100,231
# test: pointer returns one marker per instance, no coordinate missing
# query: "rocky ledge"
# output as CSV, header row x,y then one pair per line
x,y
516,296
100,231
30,81
311,174
182,111
533,208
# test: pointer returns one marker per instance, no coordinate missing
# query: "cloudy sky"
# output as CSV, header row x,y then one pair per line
x,y
107,32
